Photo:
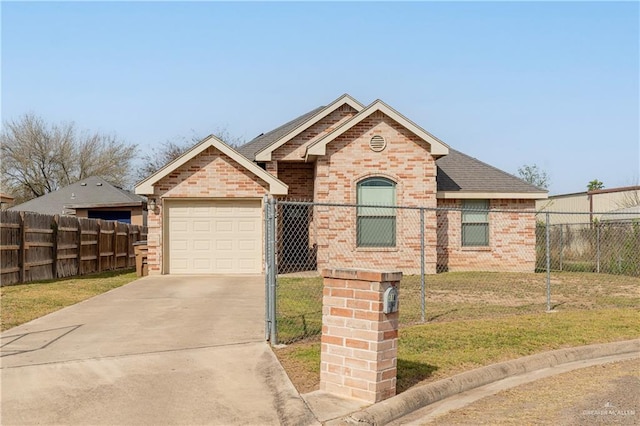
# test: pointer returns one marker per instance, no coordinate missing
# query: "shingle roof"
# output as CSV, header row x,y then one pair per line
x,y
251,148
456,171
93,191
460,172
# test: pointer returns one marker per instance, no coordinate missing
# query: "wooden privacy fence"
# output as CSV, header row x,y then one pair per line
x,y
40,247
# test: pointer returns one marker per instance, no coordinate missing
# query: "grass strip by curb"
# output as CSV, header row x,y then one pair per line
x,y
398,406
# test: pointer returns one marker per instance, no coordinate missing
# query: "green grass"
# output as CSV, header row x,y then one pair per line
x,y
25,302
455,296
299,308
438,350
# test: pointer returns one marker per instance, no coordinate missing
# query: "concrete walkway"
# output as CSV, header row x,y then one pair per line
x,y
161,350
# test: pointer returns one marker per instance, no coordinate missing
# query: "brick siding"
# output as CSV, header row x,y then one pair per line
x,y
512,239
349,159
211,174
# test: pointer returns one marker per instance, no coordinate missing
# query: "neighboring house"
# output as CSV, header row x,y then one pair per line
x,y
6,201
592,203
93,198
208,214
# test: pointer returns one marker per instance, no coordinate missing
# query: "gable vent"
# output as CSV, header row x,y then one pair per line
x,y
377,143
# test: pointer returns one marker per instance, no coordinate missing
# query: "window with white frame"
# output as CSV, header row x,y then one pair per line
x,y
376,226
475,223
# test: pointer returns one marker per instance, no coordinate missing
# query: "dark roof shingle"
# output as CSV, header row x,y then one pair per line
x,y
251,148
456,171
93,191
460,172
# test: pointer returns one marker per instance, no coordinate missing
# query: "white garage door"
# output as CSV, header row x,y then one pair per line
x,y
215,237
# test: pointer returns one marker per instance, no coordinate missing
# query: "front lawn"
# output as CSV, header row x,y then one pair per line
x,y
457,296
24,302
430,352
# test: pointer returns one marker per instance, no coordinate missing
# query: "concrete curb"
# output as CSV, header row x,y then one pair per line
x,y
291,408
413,399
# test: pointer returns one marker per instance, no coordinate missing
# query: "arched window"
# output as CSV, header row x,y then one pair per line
x,y
376,226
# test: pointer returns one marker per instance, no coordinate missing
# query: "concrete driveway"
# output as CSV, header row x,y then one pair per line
x,y
161,350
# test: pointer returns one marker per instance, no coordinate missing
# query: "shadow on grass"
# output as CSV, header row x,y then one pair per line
x,y
410,373
299,327
443,314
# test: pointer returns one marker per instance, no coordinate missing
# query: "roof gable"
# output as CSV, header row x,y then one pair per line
x,y
92,192
276,186
260,148
438,148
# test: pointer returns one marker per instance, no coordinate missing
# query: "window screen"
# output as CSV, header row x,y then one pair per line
x,y
475,223
376,226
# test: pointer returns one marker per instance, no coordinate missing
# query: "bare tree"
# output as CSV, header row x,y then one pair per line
x,y
631,197
38,158
169,150
534,175
157,157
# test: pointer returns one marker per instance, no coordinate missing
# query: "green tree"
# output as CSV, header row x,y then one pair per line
x,y
595,185
534,175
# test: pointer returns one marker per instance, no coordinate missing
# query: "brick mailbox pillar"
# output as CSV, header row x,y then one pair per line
x,y
359,342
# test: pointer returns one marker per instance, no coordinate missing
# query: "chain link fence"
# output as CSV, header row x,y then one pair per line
x,y
457,263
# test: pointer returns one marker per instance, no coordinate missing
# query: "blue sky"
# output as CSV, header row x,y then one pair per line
x,y
511,83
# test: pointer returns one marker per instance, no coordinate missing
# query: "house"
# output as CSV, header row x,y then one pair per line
x,y
593,204
208,202
6,201
93,198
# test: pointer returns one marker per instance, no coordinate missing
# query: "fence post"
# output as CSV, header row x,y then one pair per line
x,y
22,253
271,269
127,243
115,246
99,247
598,247
548,247
55,223
267,302
79,246
423,292
561,244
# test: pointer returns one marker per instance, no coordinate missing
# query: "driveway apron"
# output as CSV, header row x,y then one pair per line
x,y
161,350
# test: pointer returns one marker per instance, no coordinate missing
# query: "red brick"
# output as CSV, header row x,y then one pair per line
x,y
342,312
355,343
333,340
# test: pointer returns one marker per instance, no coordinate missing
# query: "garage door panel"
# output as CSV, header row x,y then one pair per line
x,y
202,245
246,225
224,245
225,211
247,245
201,211
224,264
224,225
202,226
180,263
215,236
247,264
202,264
179,226
245,211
